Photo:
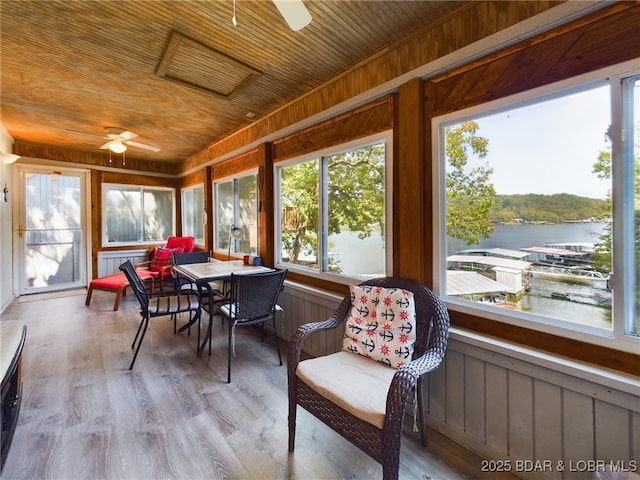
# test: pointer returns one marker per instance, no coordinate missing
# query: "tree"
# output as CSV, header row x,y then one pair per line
x,y
602,257
355,188
602,169
470,194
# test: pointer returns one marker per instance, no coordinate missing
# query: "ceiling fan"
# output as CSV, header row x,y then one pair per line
x,y
293,11
120,139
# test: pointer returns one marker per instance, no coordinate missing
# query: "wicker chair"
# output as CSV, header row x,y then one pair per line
x,y
382,444
159,304
252,301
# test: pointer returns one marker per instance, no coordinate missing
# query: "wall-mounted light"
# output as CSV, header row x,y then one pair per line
x,y
8,158
235,233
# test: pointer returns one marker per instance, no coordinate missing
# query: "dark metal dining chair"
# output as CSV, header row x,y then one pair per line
x,y
186,258
252,300
159,304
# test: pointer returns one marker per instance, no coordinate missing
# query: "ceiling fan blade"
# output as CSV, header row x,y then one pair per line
x,y
294,12
106,145
127,135
86,133
143,146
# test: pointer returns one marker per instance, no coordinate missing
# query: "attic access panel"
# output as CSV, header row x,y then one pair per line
x,y
192,63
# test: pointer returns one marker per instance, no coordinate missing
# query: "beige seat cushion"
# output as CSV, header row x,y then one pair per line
x,y
11,332
355,383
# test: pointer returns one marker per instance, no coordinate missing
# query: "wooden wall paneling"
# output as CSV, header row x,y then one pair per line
x,y
455,389
235,165
543,60
497,401
371,118
198,160
266,206
303,307
194,178
474,398
547,425
520,420
129,178
635,429
409,188
96,220
208,206
91,159
612,428
578,427
436,405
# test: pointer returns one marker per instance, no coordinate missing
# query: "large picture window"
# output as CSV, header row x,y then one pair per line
x,y
333,210
137,215
539,216
193,213
236,204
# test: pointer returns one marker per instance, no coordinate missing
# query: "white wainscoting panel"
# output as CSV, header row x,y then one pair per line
x,y
510,403
520,409
109,261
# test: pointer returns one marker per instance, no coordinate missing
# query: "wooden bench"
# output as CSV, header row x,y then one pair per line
x,y
12,336
116,283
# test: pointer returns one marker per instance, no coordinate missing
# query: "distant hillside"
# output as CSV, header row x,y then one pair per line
x,y
557,208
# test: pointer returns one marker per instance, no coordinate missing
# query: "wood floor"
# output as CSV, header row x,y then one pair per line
x,y
85,416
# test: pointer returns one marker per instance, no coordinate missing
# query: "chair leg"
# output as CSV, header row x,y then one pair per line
x,y
207,334
275,334
145,322
87,301
229,353
292,416
423,425
137,333
210,331
119,294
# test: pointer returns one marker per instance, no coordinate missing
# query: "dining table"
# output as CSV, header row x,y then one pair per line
x,y
214,271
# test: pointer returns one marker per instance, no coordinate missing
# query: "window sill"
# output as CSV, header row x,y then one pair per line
x,y
603,376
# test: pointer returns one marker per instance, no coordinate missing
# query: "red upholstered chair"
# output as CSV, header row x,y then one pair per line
x,y
159,267
187,243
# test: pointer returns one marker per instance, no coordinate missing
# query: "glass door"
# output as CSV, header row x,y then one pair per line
x,y
51,229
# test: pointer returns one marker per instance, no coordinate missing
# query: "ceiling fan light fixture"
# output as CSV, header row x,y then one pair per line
x,y
294,12
117,147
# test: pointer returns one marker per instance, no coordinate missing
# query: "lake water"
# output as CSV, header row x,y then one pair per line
x,y
588,304
515,237
366,256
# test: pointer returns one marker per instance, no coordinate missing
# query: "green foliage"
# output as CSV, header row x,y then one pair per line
x,y
556,208
355,186
602,169
470,194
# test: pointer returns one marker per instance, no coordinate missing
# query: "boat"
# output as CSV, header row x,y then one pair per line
x,y
560,296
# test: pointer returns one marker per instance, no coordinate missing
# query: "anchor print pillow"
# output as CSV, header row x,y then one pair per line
x,y
381,324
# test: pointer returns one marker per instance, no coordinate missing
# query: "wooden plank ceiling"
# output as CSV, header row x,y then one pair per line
x,y
177,73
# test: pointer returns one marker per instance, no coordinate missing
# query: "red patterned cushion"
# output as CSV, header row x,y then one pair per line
x,y
162,258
